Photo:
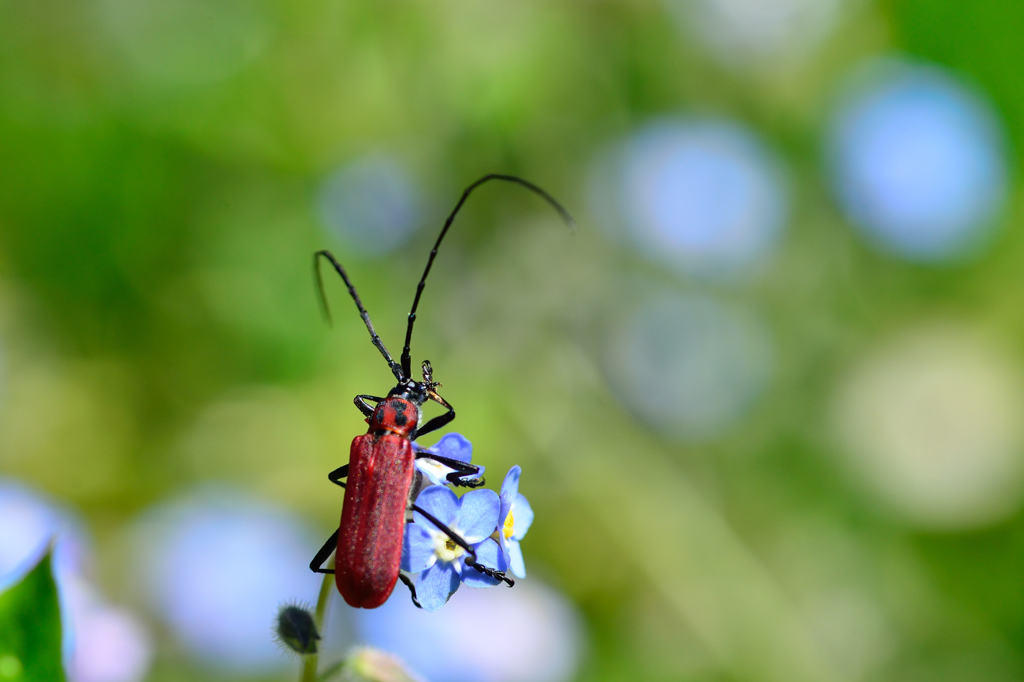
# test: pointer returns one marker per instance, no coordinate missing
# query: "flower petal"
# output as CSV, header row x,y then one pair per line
x,y
440,503
436,585
435,472
509,489
488,555
454,446
522,517
417,549
478,516
515,560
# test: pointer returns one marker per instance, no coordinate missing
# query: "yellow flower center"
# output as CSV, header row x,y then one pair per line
x,y
509,526
446,549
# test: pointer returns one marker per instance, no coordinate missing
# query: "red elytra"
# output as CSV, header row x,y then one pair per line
x,y
381,468
381,464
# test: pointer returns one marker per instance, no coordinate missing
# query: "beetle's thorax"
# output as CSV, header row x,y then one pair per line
x,y
395,415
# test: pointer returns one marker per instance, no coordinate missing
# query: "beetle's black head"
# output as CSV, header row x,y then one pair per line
x,y
418,392
413,391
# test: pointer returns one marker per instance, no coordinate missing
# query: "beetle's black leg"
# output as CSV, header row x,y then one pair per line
x,y
434,424
458,540
497,575
339,473
412,588
360,401
464,475
437,422
316,565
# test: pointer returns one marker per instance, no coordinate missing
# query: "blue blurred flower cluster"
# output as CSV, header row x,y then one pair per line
x,y
188,552
101,641
489,525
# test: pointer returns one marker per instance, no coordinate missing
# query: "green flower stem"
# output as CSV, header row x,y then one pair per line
x,y
309,663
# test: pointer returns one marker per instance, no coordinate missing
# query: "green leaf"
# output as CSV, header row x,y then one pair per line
x,y
30,629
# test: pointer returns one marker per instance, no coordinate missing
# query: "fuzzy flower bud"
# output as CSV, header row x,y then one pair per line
x,y
296,630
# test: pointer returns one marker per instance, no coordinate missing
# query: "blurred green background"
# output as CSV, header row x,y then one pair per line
x,y
795,457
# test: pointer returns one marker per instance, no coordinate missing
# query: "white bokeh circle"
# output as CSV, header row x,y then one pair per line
x,y
481,635
753,33
931,423
187,42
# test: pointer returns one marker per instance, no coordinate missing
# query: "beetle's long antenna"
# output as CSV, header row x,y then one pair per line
x,y
406,359
395,368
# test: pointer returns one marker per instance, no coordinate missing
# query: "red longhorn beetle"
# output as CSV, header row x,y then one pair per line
x,y
381,465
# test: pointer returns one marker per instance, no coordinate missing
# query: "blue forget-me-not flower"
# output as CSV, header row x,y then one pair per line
x,y
453,446
440,561
514,520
